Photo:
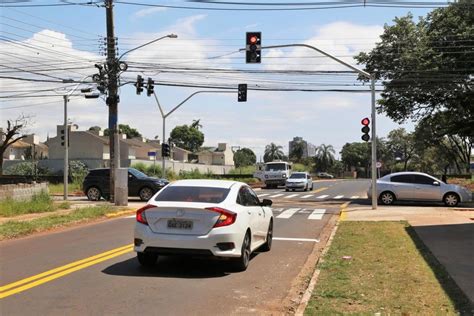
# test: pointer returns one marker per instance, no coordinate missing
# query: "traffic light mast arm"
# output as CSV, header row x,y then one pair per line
x,y
367,75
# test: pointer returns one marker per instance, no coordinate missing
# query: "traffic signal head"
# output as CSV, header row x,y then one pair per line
x,y
253,47
150,86
165,150
365,129
63,138
139,84
242,93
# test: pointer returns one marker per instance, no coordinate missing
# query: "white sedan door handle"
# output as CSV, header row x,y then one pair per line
x,y
249,212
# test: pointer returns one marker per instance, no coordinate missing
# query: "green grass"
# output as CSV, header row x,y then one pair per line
x,y
243,170
58,188
13,229
390,273
39,203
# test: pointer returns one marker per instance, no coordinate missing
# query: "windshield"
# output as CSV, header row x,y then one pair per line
x,y
298,176
192,194
137,173
275,167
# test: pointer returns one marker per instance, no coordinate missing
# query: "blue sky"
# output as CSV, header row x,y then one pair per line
x,y
329,117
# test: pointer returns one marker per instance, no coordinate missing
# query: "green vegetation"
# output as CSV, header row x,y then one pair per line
x,y
39,203
243,170
12,229
188,137
58,188
123,129
244,157
382,267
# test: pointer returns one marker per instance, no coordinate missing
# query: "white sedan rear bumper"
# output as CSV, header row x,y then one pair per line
x,y
188,244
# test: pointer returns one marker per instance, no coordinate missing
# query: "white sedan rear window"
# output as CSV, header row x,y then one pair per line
x,y
192,194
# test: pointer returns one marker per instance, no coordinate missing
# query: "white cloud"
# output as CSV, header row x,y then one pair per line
x,y
147,12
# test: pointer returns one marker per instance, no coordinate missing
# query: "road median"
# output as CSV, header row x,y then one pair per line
x,y
383,267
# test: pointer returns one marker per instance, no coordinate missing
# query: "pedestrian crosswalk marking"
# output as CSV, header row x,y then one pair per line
x,y
354,197
276,195
317,214
262,195
322,196
307,196
290,196
288,213
277,209
338,197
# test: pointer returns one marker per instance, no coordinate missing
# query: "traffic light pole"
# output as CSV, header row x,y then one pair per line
x,y
367,75
66,149
164,116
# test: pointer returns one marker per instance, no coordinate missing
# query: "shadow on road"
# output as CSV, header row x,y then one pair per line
x,y
174,267
447,249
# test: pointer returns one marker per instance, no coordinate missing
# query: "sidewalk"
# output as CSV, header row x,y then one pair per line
x,y
448,233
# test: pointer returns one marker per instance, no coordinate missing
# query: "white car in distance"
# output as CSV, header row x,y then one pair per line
x,y
299,180
214,218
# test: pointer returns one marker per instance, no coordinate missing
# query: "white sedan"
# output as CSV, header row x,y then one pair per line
x,y
204,218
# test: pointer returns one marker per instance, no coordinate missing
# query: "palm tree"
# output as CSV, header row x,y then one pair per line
x,y
273,152
196,124
324,157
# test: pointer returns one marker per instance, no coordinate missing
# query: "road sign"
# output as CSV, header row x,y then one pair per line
x,y
378,164
152,154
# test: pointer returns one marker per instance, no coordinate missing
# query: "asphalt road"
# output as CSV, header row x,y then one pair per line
x,y
114,283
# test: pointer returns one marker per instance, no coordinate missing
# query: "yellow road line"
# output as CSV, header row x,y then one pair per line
x,y
343,215
80,264
319,190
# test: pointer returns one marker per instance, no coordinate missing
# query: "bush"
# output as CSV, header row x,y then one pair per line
x,y
78,171
38,203
140,166
154,171
243,170
26,169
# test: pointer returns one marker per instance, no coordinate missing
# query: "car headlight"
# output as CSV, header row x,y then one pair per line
x,y
283,175
266,176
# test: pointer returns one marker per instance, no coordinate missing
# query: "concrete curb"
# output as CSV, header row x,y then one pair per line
x,y
312,283
120,213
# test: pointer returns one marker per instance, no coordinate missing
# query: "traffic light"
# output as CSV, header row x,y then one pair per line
x,y
165,150
149,87
139,84
366,129
242,93
63,138
253,48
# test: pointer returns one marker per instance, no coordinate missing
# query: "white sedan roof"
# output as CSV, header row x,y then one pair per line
x,y
206,183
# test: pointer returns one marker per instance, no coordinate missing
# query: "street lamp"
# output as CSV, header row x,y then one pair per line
x,y
66,131
148,43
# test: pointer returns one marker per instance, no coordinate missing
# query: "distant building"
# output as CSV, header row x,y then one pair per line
x,y
309,150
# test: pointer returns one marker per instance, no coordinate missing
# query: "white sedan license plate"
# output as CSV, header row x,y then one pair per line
x,y
180,224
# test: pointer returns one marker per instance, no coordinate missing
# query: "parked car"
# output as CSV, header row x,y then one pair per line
x,y
324,175
417,186
96,184
214,218
299,180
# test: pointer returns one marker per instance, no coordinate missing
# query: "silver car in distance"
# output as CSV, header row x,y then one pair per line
x,y
417,186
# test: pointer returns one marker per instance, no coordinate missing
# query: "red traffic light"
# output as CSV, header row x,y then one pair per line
x,y
253,39
365,121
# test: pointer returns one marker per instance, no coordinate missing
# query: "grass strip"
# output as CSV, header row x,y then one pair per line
x,y
38,203
58,188
13,229
383,268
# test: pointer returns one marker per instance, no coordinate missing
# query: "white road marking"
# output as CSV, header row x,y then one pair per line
x,y
354,197
288,213
338,197
290,196
276,195
131,216
317,214
295,239
262,195
322,196
307,196
277,209
304,212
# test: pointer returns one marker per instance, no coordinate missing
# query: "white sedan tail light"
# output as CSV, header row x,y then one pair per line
x,y
226,217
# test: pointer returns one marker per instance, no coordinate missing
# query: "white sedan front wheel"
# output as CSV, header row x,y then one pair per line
x,y
451,199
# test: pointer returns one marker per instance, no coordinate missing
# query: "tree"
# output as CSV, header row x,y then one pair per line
x,y
401,145
324,157
187,137
427,68
272,152
355,155
196,124
244,157
125,129
297,151
13,133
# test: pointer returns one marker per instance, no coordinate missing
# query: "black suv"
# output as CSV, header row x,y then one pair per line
x,y
96,184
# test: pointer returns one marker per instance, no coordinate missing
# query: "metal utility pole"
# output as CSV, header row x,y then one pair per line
x,y
367,75
66,149
112,99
